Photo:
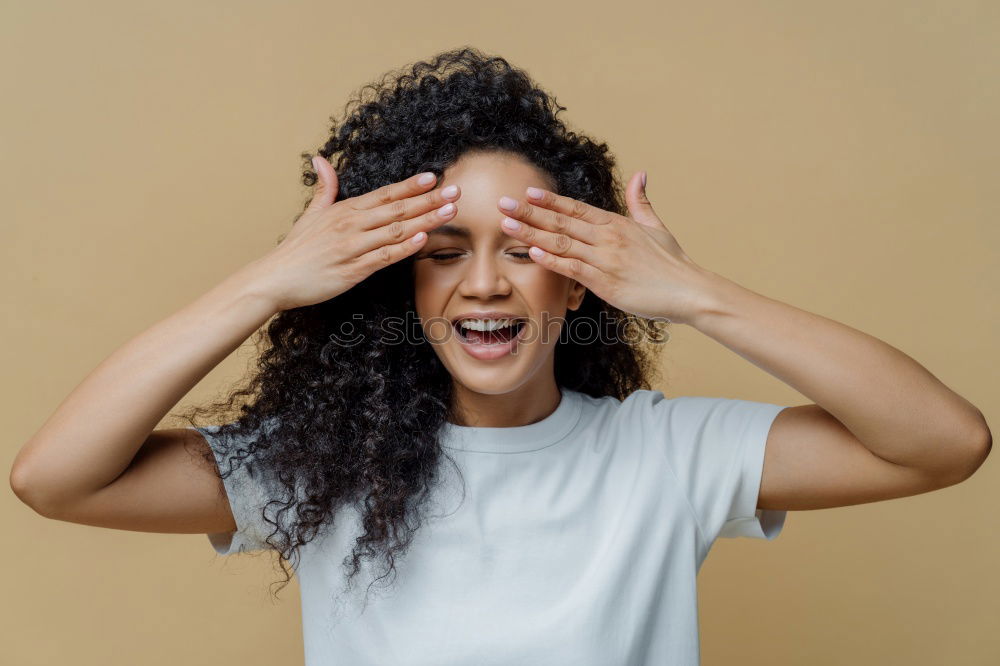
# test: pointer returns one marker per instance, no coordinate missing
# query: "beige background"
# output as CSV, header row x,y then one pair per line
x,y
841,157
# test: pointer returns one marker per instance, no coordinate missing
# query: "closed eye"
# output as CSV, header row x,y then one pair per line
x,y
445,256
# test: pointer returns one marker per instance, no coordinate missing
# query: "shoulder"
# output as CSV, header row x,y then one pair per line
x,y
639,403
687,408
680,417
637,410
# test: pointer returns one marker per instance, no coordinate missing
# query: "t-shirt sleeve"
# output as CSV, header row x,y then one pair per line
x,y
715,448
248,489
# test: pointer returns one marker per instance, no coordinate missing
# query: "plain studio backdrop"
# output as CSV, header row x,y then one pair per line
x,y
841,157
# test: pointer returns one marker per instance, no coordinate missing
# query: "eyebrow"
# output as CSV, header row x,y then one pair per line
x,y
458,232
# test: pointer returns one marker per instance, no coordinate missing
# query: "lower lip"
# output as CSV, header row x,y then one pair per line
x,y
494,351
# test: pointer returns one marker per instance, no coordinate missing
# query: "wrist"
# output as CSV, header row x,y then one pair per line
x,y
254,286
716,296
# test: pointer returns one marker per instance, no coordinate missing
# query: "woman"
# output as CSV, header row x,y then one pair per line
x,y
498,462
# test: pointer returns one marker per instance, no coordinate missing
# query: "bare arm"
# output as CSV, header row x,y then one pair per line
x,y
95,433
895,407
881,426
98,461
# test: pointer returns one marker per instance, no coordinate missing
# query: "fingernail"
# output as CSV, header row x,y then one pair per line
x,y
643,180
315,166
536,252
507,203
513,225
450,191
426,178
534,193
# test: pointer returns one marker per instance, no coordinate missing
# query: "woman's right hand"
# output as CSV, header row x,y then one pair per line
x,y
335,245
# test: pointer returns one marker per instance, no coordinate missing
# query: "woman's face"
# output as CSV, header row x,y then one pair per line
x,y
470,266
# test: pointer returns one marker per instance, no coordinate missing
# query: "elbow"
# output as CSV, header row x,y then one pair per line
x,y
26,491
985,445
19,484
979,444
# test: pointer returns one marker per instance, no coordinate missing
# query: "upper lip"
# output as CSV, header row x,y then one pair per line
x,y
486,314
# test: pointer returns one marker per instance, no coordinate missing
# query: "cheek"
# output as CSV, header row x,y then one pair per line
x,y
547,290
430,296
428,276
427,288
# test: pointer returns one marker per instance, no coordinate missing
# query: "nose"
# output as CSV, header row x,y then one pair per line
x,y
484,278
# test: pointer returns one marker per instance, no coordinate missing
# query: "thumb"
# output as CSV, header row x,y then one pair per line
x,y
638,205
326,185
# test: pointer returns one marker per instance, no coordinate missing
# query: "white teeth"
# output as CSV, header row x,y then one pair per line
x,y
486,324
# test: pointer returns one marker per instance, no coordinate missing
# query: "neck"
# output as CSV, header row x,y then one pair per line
x,y
525,405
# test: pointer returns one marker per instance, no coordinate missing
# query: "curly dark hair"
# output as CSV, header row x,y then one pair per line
x,y
359,423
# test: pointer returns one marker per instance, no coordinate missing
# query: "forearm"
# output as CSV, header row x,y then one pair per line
x,y
92,437
891,403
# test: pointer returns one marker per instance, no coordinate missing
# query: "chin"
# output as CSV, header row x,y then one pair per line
x,y
493,377
485,388
490,380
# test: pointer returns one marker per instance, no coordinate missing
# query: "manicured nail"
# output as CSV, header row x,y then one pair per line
x,y
536,252
426,178
450,191
513,225
418,237
507,203
643,180
534,193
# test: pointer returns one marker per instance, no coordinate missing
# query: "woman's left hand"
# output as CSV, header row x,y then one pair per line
x,y
634,263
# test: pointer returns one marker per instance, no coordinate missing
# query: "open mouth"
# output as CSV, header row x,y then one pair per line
x,y
489,332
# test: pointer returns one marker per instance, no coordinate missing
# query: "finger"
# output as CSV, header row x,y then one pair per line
x,y
567,206
326,185
384,255
550,220
638,205
555,243
395,191
400,230
574,268
404,209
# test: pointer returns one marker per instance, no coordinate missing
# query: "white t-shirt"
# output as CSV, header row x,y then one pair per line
x,y
578,541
